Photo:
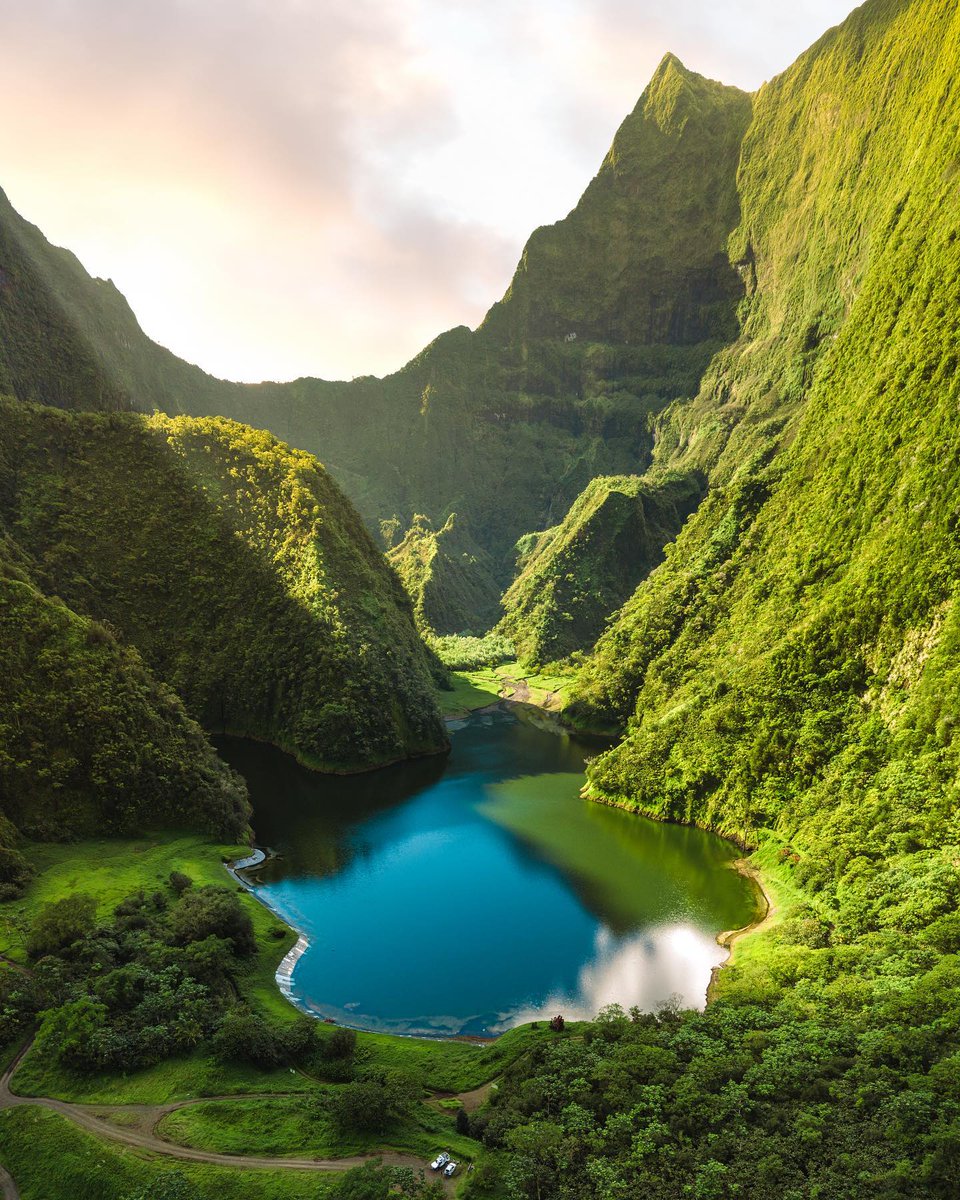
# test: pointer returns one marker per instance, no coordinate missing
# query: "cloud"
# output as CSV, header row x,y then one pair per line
x,y
303,187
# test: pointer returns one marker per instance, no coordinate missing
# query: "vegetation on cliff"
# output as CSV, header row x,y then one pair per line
x,y
504,426
572,577
788,675
90,740
760,296
238,570
448,577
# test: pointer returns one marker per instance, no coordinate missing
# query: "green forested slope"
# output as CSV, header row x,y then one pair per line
x,y
449,578
237,569
788,675
572,577
90,741
808,581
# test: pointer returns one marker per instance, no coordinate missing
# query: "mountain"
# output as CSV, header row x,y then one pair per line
x,y
572,577
91,742
449,578
792,656
724,396
237,569
613,314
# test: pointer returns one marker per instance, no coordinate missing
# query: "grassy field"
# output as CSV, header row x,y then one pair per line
x,y
51,1159
298,1125
112,869
477,689
471,690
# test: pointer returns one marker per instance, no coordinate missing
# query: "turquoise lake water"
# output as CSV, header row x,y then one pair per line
x,y
468,894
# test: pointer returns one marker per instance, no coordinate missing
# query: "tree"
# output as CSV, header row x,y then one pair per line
x,y
374,1103
216,910
245,1037
61,924
341,1043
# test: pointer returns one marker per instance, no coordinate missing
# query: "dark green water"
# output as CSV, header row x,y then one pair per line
x,y
472,893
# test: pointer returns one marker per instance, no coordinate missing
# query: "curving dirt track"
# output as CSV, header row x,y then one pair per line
x,y
96,1118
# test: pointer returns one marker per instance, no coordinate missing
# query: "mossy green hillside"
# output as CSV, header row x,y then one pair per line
x,y
449,578
572,577
799,630
90,740
238,570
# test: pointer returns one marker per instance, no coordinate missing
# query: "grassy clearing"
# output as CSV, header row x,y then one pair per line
x,y
448,1066
477,689
112,869
298,1125
51,1159
471,690
193,1075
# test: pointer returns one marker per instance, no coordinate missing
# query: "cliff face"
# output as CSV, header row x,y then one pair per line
x,y
791,664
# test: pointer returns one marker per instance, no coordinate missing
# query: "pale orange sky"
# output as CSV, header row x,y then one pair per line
x,y
285,187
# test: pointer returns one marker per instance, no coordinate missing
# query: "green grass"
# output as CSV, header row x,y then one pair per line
x,y
193,1075
477,689
51,1159
297,1126
112,869
471,690
449,1066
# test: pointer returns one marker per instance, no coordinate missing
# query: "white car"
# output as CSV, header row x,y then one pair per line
x,y
449,1169
440,1161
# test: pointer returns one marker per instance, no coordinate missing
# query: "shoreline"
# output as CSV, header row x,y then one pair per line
x,y
728,939
283,975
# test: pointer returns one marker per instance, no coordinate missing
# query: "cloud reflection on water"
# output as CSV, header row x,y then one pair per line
x,y
644,969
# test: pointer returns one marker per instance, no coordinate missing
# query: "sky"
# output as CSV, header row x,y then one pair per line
x,y
308,187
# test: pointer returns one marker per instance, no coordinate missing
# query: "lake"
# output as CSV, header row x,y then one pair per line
x,y
467,894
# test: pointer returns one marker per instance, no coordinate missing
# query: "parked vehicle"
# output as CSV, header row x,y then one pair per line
x,y
440,1161
449,1169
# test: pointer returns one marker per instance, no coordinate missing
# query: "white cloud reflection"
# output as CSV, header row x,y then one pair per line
x,y
644,969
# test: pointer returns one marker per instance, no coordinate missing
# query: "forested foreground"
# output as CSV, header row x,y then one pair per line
x,y
828,1067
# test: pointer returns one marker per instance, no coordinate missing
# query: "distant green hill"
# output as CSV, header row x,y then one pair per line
x,y
449,578
572,577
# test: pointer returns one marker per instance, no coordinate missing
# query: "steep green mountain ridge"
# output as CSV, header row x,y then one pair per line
x,y
237,569
90,741
572,577
449,578
613,313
